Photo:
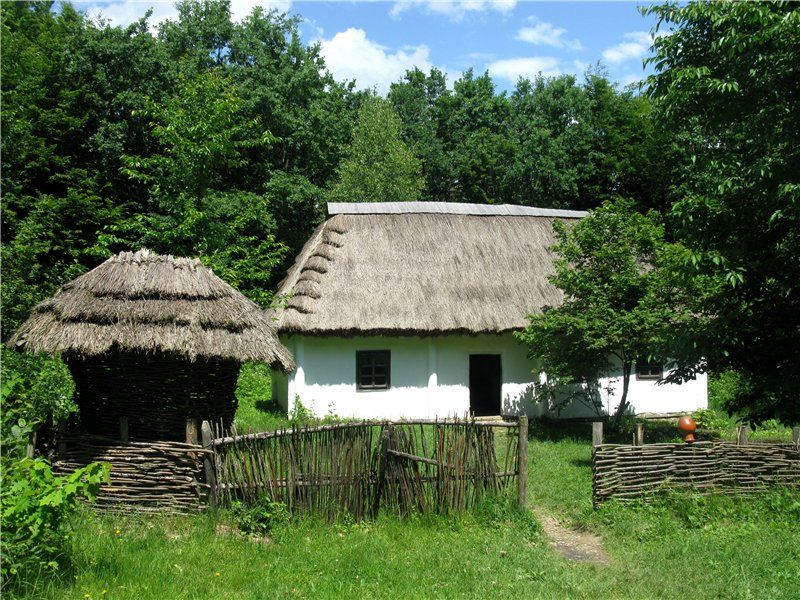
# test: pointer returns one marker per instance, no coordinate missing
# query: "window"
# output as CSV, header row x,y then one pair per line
x,y
649,369
373,370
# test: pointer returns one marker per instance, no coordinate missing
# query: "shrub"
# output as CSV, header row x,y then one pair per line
x,y
708,418
35,506
260,518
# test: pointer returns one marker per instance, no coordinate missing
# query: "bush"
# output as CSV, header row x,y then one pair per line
x,y
34,386
708,418
35,506
260,518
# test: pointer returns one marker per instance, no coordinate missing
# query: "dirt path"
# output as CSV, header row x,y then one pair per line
x,y
572,544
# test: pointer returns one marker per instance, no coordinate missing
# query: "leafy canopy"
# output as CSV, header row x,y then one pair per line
x,y
613,312
377,165
728,77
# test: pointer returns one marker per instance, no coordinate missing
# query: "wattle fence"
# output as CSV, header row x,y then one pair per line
x,y
358,468
346,468
629,472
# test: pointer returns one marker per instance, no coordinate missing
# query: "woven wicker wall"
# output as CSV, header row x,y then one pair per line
x,y
156,393
628,472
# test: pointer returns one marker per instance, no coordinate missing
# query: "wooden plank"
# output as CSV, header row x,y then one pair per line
x,y
191,431
522,462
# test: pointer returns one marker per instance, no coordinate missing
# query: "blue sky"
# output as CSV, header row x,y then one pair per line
x,y
375,42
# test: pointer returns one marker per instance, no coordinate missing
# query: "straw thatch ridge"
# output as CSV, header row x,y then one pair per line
x,y
150,303
374,272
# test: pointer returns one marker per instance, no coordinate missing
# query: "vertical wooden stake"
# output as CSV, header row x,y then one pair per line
x,y
208,463
191,431
376,503
123,430
30,450
639,435
597,433
796,435
522,462
741,437
62,442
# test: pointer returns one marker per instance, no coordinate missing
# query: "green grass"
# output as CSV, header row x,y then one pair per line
x,y
256,410
675,547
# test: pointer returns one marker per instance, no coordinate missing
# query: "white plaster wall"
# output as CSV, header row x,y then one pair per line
x,y
430,378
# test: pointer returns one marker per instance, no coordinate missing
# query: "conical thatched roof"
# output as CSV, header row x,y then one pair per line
x,y
422,268
145,302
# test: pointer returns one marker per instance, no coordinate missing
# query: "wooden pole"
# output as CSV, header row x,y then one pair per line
x,y
208,458
522,462
123,430
376,503
30,450
191,431
639,435
597,433
62,442
741,437
796,435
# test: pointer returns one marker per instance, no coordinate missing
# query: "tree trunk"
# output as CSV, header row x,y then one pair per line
x,y
623,403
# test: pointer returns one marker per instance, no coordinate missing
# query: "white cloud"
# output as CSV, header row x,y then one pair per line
x,y
351,55
454,9
125,13
544,34
514,68
635,46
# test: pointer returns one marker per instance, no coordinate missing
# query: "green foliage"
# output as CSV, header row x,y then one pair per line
x,y
708,418
260,518
377,165
34,386
36,506
617,307
727,76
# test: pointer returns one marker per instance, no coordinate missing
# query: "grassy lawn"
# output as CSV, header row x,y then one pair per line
x,y
673,548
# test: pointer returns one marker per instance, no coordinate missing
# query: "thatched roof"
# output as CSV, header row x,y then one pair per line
x,y
422,268
145,302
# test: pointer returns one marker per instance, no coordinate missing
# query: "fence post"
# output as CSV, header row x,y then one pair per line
x,y
638,435
62,442
208,462
123,430
597,433
191,431
741,437
796,435
522,462
30,449
376,503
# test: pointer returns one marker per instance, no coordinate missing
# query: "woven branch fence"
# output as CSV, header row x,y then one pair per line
x,y
356,468
145,476
628,472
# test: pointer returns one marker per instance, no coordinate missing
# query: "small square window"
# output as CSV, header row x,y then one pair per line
x,y
649,369
373,369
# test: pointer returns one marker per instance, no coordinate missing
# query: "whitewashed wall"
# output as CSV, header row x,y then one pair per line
x,y
430,378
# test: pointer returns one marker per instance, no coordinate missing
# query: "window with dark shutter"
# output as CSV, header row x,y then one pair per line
x,y
649,369
373,369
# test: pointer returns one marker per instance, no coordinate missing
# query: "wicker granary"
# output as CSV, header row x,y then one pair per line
x,y
153,338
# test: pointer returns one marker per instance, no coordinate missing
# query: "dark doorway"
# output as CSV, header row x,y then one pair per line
x,y
485,382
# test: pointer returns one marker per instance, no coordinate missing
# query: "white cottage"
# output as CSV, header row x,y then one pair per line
x,y
407,310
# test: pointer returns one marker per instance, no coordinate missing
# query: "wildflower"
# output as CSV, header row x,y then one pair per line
x,y
217,574
117,531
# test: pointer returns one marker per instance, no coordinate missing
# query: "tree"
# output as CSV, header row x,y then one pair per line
x,y
617,308
377,166
197,208
727,76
